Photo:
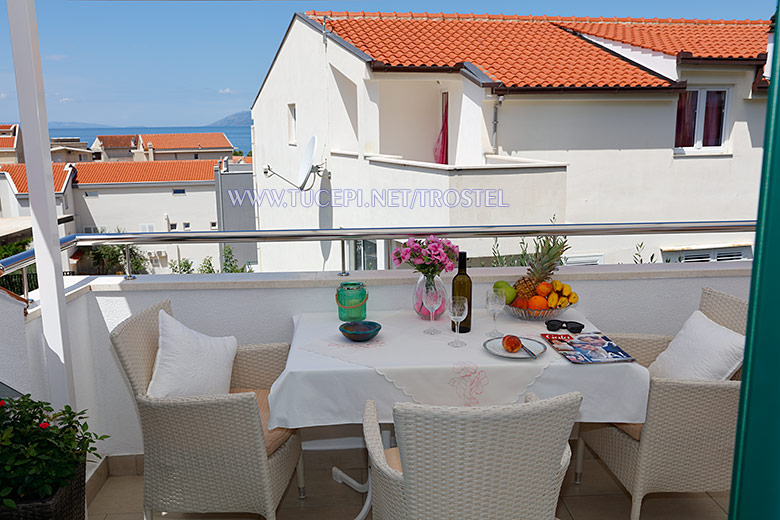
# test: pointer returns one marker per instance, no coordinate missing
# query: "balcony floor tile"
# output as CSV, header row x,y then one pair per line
x,y
599,497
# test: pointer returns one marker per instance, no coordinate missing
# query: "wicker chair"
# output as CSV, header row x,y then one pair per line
x,y
483,462
209,453
686,444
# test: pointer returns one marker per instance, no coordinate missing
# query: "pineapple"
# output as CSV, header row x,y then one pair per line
x,y
541,265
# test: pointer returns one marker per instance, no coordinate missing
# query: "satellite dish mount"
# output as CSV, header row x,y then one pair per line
x,y
305,170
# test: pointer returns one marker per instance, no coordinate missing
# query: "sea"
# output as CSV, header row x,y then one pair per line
x,y
240,136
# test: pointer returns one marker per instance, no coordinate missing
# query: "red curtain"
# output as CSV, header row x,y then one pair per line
x,y
440,148
686,119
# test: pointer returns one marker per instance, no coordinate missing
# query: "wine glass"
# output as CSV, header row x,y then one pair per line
x,y
432,301
458,309
495,299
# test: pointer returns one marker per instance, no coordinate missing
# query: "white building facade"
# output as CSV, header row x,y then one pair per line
x,y
559,148
160,196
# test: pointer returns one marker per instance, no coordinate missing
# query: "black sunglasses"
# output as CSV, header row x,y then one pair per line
x,y
572,326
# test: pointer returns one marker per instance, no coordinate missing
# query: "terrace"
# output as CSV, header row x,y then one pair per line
x,y
645,298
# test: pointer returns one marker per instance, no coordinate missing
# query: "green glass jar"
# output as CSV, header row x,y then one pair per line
x,y
351,298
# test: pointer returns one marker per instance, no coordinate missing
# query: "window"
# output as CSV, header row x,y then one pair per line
x,y
292,123
701,119
90,194
147,228
196,156
364,252
81,159
186,226
594,259
91,229
213,224
710,254
172,226
179,191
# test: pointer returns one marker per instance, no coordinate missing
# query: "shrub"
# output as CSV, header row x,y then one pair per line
x,y
40,449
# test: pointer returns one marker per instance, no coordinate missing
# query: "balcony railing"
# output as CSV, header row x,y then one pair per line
x,y
27,258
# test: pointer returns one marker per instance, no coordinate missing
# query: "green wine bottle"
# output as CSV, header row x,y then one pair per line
x,y
461,286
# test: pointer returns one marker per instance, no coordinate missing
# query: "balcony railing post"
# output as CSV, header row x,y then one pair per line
x,y
25,285
344,271
128,267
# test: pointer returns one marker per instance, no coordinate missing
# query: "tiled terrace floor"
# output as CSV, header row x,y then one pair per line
x,y
599,497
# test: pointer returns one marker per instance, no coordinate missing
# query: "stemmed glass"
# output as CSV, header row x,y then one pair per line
x,y
495,300
432,301
458,309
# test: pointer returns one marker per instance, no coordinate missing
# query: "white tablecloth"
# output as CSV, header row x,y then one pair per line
x,y
319,390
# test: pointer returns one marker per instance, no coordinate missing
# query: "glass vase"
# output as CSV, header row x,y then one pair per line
x,y
417,297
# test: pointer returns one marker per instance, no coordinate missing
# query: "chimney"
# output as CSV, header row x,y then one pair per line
x,y
150,146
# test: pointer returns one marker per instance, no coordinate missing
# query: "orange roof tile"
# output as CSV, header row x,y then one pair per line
x,y
7,126
186,141
7,141
18,174
701,38
118,141
526,51
144,171
248,160
119,172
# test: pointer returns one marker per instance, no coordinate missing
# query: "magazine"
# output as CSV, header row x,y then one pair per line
x,y
587,348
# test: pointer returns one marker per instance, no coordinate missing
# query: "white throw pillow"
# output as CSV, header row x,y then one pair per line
x,y
190,363
701,351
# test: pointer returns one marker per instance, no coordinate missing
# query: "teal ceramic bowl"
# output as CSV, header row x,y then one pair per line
x,y
360,330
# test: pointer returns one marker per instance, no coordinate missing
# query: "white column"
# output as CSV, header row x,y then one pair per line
x,y
35,133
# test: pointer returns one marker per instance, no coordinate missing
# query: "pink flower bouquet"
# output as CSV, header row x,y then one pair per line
x,y
429,257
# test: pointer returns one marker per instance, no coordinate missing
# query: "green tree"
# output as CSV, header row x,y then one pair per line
x,y
230,262
249,153
111,259
238,152
206,266
183,266
14,248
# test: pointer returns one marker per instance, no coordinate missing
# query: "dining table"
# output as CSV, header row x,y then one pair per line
x,y
328,378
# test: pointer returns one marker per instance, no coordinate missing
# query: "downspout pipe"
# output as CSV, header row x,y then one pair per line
x,y
497,104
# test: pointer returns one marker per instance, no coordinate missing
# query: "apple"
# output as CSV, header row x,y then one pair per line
x,y
509,291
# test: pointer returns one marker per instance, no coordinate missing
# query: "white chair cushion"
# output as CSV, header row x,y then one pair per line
x,y
701,351
189,363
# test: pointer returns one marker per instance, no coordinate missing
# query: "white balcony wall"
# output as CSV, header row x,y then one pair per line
x,y
532,190
258,308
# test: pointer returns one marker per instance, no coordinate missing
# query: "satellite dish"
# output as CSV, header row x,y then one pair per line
x,y
307,163
305,168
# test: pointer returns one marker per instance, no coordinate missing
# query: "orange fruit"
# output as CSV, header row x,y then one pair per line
x,y
544,288
511,343
520,303
537,303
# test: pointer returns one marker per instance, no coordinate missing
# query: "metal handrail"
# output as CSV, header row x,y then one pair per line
x,y
27,258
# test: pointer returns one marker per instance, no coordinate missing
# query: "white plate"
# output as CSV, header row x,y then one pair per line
x,y
494,346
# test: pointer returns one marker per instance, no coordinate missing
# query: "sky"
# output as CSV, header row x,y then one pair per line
x,y
185,63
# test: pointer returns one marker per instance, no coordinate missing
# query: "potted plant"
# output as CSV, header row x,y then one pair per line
x,y
42,460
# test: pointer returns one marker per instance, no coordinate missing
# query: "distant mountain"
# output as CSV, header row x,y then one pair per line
x,y
76,124
238,119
